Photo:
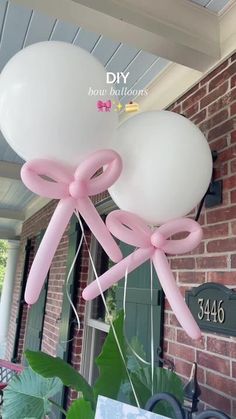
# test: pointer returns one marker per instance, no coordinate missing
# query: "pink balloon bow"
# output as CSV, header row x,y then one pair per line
x,y
73,190
152,245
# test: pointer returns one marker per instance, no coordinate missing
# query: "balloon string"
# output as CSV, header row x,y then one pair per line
x,y
67,288
107,312
152,329
124,308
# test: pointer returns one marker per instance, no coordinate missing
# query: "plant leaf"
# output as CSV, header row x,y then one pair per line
x,y
49,366
110,364
80,409
164,381
133,362
27,394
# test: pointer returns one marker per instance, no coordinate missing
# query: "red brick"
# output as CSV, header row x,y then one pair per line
x,y
223,76
218,346
233,197
192,277
199,117
214,120
227,154
226,386
192,110
234,369
233,82
182,367
229,183
176,109
233,109
194,98
173,320
214,72
214,95
219,144
211,262
169,333
221,129
217,230
233,137
214,399
183,338
222,277
224,245
221,214
233,227
183,263
181,351
233,261
233,166
212,362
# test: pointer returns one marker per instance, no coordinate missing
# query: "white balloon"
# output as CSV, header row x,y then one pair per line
x,y
46,110
167,166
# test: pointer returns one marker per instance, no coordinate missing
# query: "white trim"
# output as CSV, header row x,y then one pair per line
x,y
169,28
10,170
96,324
10,214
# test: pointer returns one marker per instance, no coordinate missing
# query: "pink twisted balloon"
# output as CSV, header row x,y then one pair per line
x,y
73,190
152,245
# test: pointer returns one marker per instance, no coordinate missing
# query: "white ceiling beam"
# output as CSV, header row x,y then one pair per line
x,y
227,21
8,234
10,170
177,30
10,214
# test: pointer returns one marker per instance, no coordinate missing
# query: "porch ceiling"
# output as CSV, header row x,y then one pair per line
x,y
215,5
134,43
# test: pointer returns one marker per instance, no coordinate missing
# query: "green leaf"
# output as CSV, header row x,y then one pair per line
x,y
110,364
133,363
27,394
164,381
48,366
80,409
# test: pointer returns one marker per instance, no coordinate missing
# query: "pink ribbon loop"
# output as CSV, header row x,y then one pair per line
x,y
133,230
73,190
152,245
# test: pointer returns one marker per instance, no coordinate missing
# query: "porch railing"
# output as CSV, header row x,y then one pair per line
x,y
7,371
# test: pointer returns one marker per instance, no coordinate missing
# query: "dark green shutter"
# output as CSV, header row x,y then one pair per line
x,y
33,338
28,249
138,305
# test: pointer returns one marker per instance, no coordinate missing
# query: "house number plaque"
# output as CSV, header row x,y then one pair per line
x,y
213,307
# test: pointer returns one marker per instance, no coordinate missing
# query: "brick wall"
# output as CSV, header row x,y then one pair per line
x,y
211,105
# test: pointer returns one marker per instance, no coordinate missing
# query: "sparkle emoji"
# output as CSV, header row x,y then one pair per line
x,y
119,106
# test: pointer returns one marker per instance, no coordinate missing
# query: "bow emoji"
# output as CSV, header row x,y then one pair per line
x,y
151,245
101,106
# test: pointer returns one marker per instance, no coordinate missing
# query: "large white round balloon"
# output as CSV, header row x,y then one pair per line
x,y
48,103
167,166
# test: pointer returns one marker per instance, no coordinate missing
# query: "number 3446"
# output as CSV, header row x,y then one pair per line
x,y
211,310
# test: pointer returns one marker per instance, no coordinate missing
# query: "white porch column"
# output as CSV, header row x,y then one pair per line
x,y
7,293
